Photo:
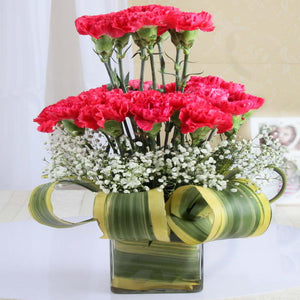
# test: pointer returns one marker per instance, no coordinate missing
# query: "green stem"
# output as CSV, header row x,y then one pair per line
x,y
143,61
121,72
152,143
168,129
158,139
109,72
211,135
162,67
134,127
177,67
128,133
150,52
174,138
110,142
117,139
184,71
182,138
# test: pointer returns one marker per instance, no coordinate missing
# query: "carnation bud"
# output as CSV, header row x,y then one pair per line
x,y
122,41
163,37
104,46
146,36
185,38
188,38
175,37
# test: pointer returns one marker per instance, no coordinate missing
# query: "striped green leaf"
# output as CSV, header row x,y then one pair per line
x,y
40,206
198,215
195,214
134,216
169,266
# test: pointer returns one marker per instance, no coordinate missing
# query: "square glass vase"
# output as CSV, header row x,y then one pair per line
x,y
156,267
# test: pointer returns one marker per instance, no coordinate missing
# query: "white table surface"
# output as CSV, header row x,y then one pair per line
x,y
41,263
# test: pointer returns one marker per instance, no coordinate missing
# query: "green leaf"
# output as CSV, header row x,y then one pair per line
x,y
112,128
138,266
132,216
162,63
175,118
40,206
126,81
199,134
238,121
73,129
155,130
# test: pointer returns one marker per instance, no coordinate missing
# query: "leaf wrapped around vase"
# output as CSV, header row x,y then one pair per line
x,y
163,158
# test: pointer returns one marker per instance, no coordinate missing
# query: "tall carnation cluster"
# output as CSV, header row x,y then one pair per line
x,y
130,20
207,101
132,135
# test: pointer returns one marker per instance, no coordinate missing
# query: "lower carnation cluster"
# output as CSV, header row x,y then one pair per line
x,y
207,101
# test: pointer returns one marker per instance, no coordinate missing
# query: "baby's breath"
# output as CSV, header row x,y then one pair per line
x,y
86,157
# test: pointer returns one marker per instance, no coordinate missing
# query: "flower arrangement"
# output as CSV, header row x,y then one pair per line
x,y
172,144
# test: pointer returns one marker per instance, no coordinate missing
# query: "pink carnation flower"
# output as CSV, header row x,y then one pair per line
x,y
89,118
129,20
66,109
214,82
134,84
90,109
229,97
148,108
190,21
96,26
200,113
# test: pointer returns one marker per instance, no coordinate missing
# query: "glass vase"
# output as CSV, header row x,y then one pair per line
x,y
155,267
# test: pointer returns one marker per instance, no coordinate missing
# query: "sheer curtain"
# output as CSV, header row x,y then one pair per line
x,y
42,60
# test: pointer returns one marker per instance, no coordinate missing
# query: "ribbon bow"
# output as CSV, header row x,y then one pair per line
x,y
193,213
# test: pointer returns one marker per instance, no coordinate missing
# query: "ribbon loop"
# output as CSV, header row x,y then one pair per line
x,y
40,206
195,214
132,217
198,215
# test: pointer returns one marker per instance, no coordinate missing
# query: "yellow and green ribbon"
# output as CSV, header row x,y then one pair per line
x,y
194,213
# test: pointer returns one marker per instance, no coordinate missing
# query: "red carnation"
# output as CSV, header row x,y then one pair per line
x,y
229,97
90,109
201,113
89,117
214,82
96,26
66,109
117,108
239,103
148,108
189,21
158,10
135,84
132,22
